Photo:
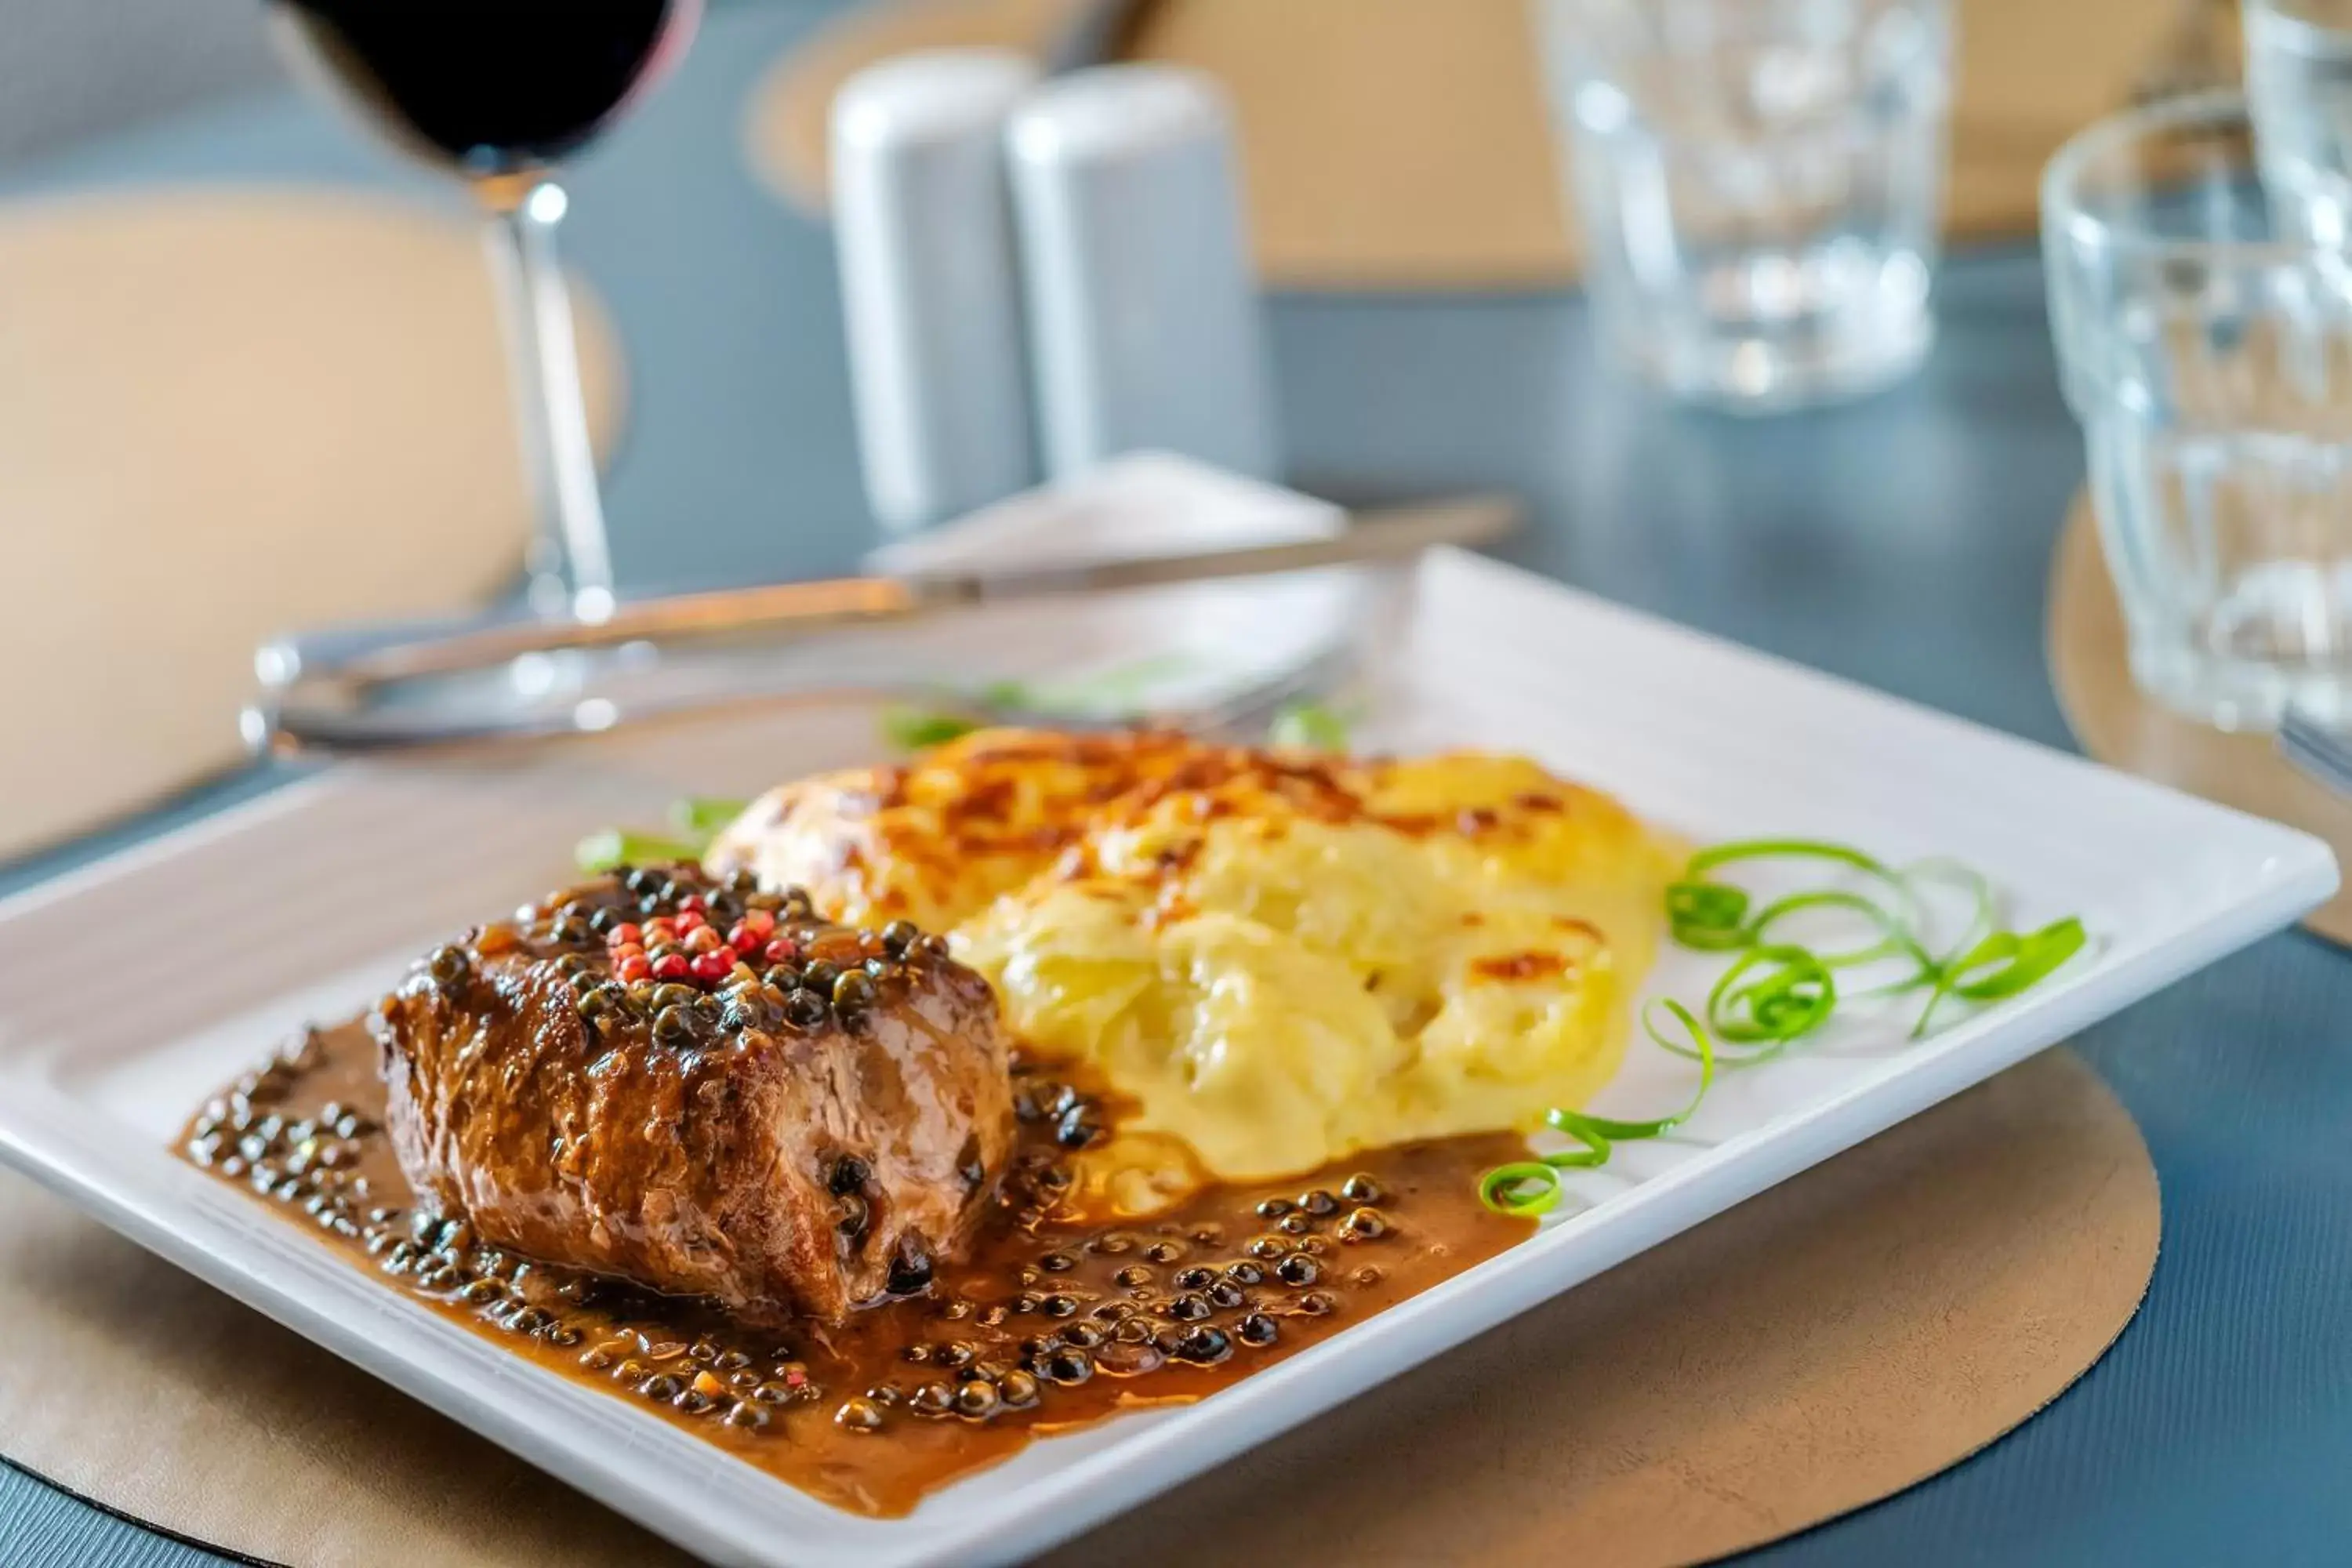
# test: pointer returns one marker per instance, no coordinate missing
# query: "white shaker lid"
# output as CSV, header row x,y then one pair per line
x,y
931,95
1115,113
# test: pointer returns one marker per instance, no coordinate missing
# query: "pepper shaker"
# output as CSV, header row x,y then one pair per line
x,y
929,281
1143,313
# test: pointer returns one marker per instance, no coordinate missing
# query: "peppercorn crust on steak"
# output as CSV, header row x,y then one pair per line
x,y
1280,957
802,1117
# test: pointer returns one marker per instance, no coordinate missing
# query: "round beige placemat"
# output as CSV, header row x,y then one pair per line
x,y
224,414
1822,1346
1399,143
2123,728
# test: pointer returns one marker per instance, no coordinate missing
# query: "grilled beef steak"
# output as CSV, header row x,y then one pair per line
x,y
702,1089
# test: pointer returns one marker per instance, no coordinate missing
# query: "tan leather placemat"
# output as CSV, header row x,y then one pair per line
x,y
2124,729
1405,143
224,413
1828,1344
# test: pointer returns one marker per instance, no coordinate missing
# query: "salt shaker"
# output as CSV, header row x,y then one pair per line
x,y
1144,326
930,288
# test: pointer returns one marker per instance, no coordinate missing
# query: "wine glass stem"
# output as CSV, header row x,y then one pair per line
x,y
571,561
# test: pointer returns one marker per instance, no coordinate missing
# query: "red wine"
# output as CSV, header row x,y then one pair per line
x,y
492,87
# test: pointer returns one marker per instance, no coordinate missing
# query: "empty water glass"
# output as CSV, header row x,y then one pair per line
x,y
2299,84
1758,182
2206,346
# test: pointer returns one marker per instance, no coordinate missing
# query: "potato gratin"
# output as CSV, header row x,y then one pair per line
x,y
1281,957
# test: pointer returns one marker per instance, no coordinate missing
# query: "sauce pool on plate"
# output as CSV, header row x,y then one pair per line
x,y
1054,1322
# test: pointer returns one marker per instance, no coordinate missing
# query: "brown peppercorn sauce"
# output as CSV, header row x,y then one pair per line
x,y
1053,1322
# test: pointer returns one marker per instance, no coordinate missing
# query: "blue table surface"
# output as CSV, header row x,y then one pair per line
x,y
1903,542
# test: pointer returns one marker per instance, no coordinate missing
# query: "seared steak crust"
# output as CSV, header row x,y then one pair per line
x,y
749,1139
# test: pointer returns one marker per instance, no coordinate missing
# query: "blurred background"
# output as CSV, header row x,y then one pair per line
x,y
75,70
843,272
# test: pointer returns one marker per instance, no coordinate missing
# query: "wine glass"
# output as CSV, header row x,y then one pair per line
x,y
499,92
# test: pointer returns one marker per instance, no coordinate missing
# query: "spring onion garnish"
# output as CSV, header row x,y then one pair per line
x,y
1530,1187
913,729
1308,726
610,847
1095,695
695,821
1778,990
918,727
2003,965
703,817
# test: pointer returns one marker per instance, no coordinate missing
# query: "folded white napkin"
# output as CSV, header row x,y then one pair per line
x,y
1149,503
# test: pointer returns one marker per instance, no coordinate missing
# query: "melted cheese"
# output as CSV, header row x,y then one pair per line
x,y
1279,958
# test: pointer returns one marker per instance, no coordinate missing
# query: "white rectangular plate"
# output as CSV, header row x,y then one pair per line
x,y
303,904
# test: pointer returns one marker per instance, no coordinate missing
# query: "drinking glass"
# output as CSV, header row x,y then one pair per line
x,y
2299,86
498,92
1758,182
2205,342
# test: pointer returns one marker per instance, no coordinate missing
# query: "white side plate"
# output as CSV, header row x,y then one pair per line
x,y
302,904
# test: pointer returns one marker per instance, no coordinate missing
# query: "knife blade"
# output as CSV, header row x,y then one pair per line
x,y
361,659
